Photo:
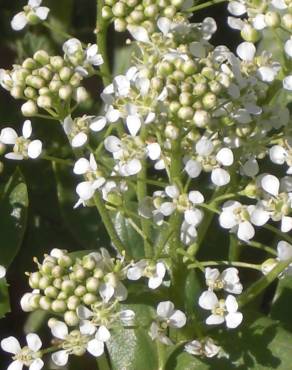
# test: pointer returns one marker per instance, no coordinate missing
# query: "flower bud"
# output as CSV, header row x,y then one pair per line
x,y
88,262
62,296
16,92
92,284
45,303
51,292
174,106
171,132
151,11
251,190
250,34
169,11
30,93
34,279
81,95
120,25
73,302
42,57
80,291
25,302
98,273
272,19
200,89
185,99
177,3
44,282
287,21
268,265
29,63
65,261
68,286
45,73
119,9
57,62
65,92
209,101
44,91
215,87
89,298
137,16
65,74
185,113
59,306
54,86
57,271
165,68
106,12
71,319
201,118
44,102
52,322
189,67
57,283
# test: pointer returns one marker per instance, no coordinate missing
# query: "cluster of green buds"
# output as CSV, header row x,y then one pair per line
x,y
45,82
143,13
63,283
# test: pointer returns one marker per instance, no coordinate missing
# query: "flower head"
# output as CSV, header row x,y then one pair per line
x,y
32,13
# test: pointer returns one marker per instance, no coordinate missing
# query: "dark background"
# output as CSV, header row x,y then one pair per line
x,y
46,228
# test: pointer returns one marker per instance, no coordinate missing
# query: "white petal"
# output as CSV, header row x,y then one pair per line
x,y
204,147
177,319
165,309
225,157
42,12
14,156
121,292
79,140
231,304
279,4
26,129
193,216
196,197
259,217
15,365
286,224
278,154
134,273
60,358
37,364
139,33
2,272
251,167
10,345
220,177
34,3
33,341
95,347
267,74
235,23
59,330
236,8
246,51
154,151
133,167
167,208
102,334
270,184
84,313
127,317
87,327
106,292
227,220
288,47
164,24
98,123
245,231
19,21
85,190
259,22
112,115
81,166
214,320
34,149
8,136
133,124
154,282
233,319
193,168
172,191
208,300
112,144
284,250
287,83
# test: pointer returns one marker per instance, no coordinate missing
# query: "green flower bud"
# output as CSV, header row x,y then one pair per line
x,y
57,283
34,279
51,292
200,89
44,102
80,273
109,2
88,262
75,80
92,284
44,91
54,86
45,73
115,198
44,282
120,25
71,318
16,92
178,76
106,12
29,63
45,303
201,118
186,99
59,306
57,62
171,132
89,298
65,74
177,3
119,9
98,273
80,291
272,19
30,93
174,106
185,113
169,11
215,87
137,16
189,67
287,21
73,302
65,261
165,68
57,271
209,101
34,301
251,190
151,11
42,57
35,81
65,92
63,296
68,286
250,34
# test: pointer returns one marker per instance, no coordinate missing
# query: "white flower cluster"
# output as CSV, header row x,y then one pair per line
x,y
32,13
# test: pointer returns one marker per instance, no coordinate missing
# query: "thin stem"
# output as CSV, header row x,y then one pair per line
x,y
101,33
278,232
103,363
161,355
204,5
139,231
57,30
50,158
255,289
260,246
227,263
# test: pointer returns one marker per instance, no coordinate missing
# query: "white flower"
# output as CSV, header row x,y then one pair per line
x,y
222,310
236,217
23,147
205,348
227,280
29,356
154,272
31,11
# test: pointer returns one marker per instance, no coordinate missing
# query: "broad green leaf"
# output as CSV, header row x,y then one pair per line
x,y
131,239
133,349
4,298
13,213
84,223
259,344
281,307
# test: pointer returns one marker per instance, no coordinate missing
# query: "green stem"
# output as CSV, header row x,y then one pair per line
x,y
102,363
108,223
161,355
205,5
57,30
50,158
227,263
261,246
260,285
279,233
101,33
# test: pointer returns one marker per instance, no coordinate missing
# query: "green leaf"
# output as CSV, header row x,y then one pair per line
x,y
84,223
133,349
260,344
281,308
4,298
13,211
122,60
131,239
